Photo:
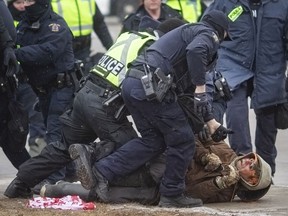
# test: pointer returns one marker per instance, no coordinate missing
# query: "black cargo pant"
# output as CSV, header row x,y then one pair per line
x,y
84,123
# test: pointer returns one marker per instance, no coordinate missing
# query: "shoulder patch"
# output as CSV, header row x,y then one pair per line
x,y
54,27
215,37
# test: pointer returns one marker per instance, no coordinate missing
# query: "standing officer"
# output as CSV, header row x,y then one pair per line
x,y
152,8
254,64
26,96
82,18
185,54
13,121
46,56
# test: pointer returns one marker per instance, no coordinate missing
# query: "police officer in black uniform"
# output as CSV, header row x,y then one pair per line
x,y
185,54
46,56
12,136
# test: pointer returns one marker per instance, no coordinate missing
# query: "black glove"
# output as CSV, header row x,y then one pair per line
x,y
221,133
10,61
202,106
204,134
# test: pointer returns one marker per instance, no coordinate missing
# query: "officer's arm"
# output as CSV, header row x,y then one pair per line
x,y
8,20
5,39
50,48
101,29
199,53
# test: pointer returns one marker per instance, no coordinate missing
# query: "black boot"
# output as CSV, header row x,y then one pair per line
x,y
82,157
18,189
62,188
101,187
180,201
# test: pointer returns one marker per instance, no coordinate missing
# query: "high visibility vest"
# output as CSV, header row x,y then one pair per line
x,y
16,23
191,10
113,64
77,13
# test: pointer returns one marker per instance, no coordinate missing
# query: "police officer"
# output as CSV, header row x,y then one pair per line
x,y
12,135
25,94
154,9
191,10
83,17
90,118
185,53
254,70
46,56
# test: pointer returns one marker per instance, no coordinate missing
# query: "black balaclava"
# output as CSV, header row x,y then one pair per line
x,y
16,14
218,20
35,11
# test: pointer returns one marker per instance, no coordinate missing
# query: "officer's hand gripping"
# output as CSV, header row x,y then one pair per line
x,y
221,133
226,181
204,134
202,106
10,61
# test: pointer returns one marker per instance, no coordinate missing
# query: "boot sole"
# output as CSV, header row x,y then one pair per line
x,y
83,170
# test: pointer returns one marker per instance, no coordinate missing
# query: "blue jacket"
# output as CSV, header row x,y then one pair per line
x,y
262,45
45,51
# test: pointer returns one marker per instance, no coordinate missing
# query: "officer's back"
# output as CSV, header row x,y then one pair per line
x,y
181,42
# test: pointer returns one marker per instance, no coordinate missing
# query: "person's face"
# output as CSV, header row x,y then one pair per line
x,y
246,168
152,4
19,5
29,2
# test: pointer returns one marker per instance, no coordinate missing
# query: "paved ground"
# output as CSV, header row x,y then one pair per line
x,y
274,203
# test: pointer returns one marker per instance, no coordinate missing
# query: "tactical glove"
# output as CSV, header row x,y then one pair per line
x,y
10,61
211,162
204,134
202,106
226,181
221,133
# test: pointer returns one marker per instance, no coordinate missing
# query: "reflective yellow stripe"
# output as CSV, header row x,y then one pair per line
x,y
235,13
191,10
113,65
77,13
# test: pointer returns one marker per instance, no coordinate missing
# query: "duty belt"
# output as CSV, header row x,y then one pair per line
x,y
100,91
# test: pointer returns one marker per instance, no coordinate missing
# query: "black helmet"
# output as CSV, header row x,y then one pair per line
x,y
251,195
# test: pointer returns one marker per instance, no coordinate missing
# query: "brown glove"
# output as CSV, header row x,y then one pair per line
x,y
211,162
228,180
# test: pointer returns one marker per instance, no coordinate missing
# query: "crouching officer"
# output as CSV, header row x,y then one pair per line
x,y
183,55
